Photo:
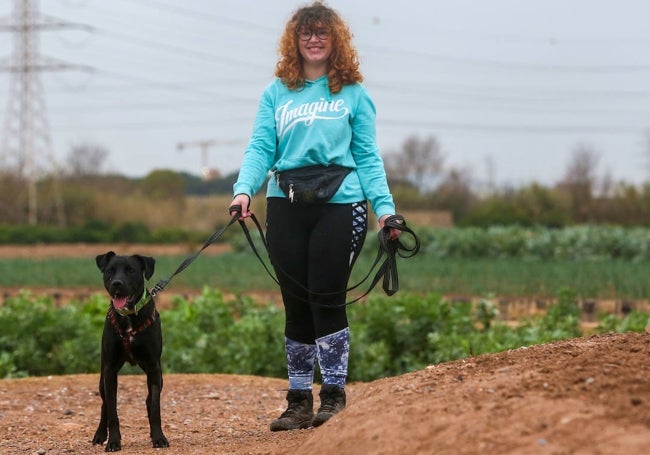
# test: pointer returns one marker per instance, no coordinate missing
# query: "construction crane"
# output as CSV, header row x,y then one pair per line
x,y
204,147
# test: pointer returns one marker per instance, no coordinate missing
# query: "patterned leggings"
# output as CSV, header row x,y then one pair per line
x,y
313,250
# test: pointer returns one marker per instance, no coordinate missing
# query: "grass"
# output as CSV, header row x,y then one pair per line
x,y
241,272
518,277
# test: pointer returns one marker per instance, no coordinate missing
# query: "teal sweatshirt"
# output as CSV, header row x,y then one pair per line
x,y
297,128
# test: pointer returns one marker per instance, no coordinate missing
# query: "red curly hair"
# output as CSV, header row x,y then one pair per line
x,y
343,64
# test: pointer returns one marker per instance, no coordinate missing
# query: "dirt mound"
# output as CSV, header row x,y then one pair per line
x,y
582,396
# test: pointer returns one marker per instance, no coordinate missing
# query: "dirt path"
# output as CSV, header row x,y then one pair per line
x,y
582,396
90,250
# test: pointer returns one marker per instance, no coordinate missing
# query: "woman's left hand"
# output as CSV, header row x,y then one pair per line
x,y
393,234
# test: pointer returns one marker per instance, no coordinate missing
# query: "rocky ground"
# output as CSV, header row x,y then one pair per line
x,y
582,396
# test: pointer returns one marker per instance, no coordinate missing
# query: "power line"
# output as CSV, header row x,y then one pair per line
x,y
511,65
202,15
524,94
177,87
526,129
153,124
201,55
549,40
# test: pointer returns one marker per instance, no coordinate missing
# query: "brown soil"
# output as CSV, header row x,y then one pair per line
x,y
90,250
582,396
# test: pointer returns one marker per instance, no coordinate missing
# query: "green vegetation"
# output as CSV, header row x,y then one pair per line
x,y
211,335
588,242
391,336
96,231
241,272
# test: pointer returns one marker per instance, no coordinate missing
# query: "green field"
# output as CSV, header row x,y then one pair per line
x,y
423,324
241,272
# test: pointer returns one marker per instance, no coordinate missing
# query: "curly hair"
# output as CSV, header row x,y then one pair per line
x,y
343,63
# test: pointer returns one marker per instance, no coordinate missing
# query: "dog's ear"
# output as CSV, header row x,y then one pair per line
x,y
102,260
148,265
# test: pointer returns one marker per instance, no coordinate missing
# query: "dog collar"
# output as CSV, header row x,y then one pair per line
x,y
138,306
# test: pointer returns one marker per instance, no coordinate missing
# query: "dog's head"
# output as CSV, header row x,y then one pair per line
x,y
124,278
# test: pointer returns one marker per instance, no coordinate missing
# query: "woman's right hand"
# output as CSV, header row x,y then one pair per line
x,y
242,200
393,234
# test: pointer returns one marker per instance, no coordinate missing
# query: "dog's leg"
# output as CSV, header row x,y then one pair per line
x,y
154,386
113,422
102,428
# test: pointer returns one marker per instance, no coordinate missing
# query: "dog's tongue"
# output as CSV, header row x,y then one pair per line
x,y
119,302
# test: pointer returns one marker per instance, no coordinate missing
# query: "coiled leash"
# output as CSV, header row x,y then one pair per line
x,y
213,238
386,272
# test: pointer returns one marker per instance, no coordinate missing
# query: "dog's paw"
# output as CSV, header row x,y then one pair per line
x,y
160,442
99,438
113,446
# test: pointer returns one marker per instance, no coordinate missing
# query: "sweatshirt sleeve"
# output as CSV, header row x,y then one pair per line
x,y
260,152
370,166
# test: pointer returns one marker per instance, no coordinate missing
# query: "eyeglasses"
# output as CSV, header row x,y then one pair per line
x,y
305,34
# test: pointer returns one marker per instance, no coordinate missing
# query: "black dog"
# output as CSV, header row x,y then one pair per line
x,y
132,333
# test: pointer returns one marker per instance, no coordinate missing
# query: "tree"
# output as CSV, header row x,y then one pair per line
x,y
454,193
580,180
419,162
647,149
86,159
541,206
13,200
164,184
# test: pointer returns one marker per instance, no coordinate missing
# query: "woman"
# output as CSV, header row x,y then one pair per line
x,y
315,115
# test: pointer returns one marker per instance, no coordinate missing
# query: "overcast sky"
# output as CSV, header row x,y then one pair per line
x,y
508,87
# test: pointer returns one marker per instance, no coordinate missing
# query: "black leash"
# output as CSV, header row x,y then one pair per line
x,y
387,271
213,238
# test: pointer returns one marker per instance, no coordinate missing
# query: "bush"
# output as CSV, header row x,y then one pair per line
x,y
43,339
390,336
209,335
572,243
96,231
132,233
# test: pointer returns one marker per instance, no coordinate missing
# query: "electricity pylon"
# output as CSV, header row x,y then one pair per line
x,y
26,132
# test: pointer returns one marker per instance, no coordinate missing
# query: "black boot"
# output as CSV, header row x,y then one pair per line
x,y
299,413
332,400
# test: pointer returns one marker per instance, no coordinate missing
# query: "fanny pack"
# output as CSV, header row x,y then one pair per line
x,y
311,184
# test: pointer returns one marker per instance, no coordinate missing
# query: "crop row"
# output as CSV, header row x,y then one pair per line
x,y
390,336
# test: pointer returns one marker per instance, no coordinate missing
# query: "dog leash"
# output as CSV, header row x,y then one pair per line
x,y
213,238
387,270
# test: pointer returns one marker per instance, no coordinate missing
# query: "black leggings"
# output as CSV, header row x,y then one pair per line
x,y
313,249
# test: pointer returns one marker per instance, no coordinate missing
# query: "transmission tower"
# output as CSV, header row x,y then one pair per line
x,y
26,140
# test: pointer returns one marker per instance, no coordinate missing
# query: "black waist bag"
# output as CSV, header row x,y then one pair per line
x,y
311,184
